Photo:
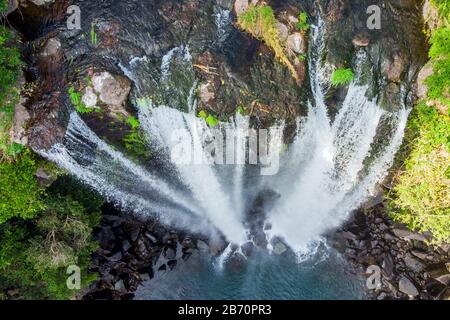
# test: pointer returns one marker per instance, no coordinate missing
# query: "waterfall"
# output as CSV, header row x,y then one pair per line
x,y
326,164
330,169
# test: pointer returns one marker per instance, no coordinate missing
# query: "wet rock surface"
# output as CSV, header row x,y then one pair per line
x,y
410,267
132,250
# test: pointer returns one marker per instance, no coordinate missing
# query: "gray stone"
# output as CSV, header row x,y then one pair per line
x,y
52,48
422,88
18,132
283,31
407,287
112,90
279,248
120,286
170,254
89,98
297,43
413,264
240,6
408,235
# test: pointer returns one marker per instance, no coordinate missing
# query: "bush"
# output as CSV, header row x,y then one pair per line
x,y
10,65
302,23
422,195
342,77
20,194
439,82
34,255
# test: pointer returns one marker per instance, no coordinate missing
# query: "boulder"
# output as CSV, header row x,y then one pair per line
x,y
170,254
206,93
394,67
361,41
413,264
112,90
45,177
12,6
120,286
408,235
18,133
240,6
279,248
297,43
52,48
283,31
407,287
89,98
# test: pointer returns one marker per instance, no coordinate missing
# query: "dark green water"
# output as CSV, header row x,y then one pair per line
x,y
324,275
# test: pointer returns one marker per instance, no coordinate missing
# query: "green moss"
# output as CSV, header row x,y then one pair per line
x,y
342,77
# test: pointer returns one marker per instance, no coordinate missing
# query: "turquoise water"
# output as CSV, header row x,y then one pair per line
x,y
324,275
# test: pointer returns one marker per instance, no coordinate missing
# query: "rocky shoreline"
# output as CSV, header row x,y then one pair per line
x,y
410,268
133,249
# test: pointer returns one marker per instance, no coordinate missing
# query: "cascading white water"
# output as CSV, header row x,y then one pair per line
x,y
324,174
328,159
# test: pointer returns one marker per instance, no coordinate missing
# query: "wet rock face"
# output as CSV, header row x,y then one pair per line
x,y
395,53
410,269
133,250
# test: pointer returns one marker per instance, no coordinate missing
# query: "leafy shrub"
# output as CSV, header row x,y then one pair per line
x,y
75,99
10,65
20,194
342,77
439,82
302,23
34,255
422,196
209,118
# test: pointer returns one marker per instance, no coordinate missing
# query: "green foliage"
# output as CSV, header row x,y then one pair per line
x,y
203,114
34,255
261,23
137,144
439,82
10,65
20,194
302,57
3,5
133,122
212,121
443,7
93,34
342,77
209,118
302,23
422,195
241,110
75,99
